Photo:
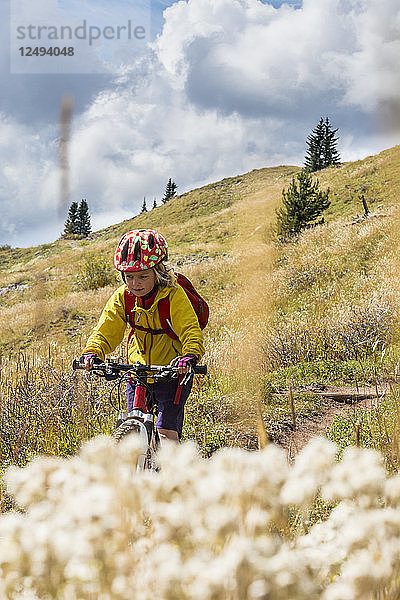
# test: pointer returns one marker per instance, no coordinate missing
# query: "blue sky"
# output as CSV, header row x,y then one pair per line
x,y
225,86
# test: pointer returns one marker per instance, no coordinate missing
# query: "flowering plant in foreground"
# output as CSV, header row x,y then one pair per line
x,y
94,528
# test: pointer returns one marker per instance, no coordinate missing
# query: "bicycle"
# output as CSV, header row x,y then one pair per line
x,y
139,418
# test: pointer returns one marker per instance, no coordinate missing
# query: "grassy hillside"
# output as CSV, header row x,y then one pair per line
x,y
202,228
323,308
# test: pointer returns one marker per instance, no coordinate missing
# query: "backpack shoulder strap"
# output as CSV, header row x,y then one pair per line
x,y
164,312
130,301
130,317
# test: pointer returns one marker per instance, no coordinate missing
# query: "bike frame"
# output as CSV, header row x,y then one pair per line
x,y
139,416
144,419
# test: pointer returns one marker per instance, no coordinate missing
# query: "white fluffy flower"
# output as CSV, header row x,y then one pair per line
x,y
360,474
392,489
216,530
310,471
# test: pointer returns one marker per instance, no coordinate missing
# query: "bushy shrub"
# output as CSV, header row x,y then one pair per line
x,y
95,272
220,529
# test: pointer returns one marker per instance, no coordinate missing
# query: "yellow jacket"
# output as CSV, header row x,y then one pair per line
x,y
145,347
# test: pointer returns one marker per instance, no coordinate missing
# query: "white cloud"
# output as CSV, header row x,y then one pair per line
x,y
26,162
247,56
126,149
374,76
231,85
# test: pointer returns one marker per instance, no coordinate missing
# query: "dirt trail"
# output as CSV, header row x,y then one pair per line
x,y
338,401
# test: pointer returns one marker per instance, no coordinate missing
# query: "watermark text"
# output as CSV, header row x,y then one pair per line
x,y
83,31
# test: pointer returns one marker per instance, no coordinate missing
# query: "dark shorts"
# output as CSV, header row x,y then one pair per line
x,y
170,408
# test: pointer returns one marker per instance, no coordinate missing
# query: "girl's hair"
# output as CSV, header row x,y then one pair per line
x,y
164,275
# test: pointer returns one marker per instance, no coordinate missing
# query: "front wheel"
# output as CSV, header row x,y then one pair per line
x,y
150,440
151,454
126,428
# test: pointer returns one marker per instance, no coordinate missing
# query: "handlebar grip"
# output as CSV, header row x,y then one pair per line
x,y
200,369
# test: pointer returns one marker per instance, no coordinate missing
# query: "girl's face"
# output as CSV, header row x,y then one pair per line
x,y
140,283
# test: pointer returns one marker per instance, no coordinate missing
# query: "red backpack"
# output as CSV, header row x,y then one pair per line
x,y
199,304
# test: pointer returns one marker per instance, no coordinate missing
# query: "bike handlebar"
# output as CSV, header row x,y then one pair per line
x,y
112,368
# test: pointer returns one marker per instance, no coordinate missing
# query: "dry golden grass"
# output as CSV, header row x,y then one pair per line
x,y
245,310
377,177
336,292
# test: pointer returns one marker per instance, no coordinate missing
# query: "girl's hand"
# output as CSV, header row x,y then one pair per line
x,y
88,359
185,363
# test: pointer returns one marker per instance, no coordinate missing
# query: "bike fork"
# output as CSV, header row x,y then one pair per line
x,y
137,410
139,400
136,406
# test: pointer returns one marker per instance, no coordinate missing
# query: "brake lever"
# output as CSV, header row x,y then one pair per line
x,y
187,377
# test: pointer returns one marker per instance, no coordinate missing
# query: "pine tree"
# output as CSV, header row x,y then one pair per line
x,y
155,203
303,203
71,224
322,150
84,227
314,160
331,155
144,207
170,191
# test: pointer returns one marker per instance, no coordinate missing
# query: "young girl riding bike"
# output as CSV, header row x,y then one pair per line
x,y
140,258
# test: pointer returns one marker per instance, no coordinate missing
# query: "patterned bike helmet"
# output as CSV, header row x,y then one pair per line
x,y
139,250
